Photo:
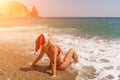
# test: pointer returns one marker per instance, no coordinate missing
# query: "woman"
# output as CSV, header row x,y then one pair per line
x,y
45,44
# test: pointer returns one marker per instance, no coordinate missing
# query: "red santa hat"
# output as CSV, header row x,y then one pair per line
x,y
41,40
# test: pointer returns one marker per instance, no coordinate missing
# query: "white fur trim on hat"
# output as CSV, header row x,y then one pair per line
x,y
46,38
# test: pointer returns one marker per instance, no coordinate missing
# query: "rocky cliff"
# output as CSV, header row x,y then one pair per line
x,y
34,12
16,9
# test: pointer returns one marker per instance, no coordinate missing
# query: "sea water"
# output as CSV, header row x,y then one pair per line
x,y
95,40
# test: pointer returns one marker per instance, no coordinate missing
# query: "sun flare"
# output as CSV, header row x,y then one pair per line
x,y
3,1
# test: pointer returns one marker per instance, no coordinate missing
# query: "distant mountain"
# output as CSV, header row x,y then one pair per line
x,y
16,9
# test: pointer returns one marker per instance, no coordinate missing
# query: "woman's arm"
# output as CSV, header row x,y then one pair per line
x,y
38,57
53,58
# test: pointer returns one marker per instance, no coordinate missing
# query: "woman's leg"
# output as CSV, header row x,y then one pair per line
x,y
70,56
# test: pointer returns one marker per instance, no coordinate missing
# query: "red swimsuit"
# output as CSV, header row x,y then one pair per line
x,y
59,51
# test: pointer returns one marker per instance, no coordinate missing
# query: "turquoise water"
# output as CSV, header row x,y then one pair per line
x,y
108,28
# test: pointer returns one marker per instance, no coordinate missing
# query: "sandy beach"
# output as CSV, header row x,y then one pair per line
x,y
14,66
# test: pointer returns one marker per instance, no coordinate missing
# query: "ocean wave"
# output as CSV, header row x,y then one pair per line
x,y
21,28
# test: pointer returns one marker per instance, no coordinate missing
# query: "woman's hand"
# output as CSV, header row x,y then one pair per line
x,y
31,64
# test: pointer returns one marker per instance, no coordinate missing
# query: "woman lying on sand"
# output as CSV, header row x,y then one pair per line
x,y
45,44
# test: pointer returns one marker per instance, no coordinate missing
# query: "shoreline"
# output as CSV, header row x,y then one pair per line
x,y
14,66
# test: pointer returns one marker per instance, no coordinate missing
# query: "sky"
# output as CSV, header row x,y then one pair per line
x,y
75,8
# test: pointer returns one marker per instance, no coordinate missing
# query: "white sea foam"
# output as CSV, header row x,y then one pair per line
x,y
102,55
99,55
21,28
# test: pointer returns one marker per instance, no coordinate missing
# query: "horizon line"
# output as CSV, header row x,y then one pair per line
x,y
74,17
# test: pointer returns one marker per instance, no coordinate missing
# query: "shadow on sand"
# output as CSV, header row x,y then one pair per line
x,y
40,68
